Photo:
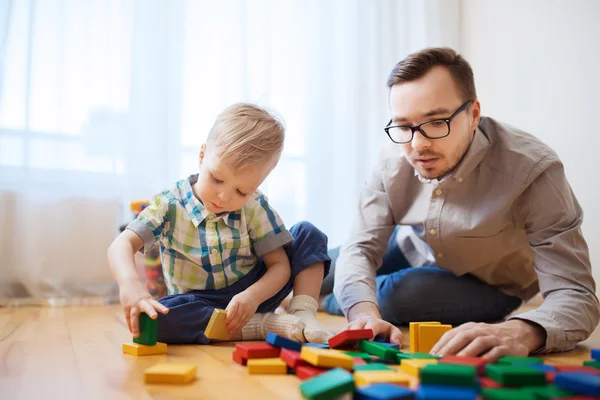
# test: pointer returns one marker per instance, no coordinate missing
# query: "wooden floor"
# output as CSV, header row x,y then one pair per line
x,y
75,353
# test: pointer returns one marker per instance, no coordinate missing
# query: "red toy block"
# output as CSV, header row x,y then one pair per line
x,y
550,376
257,350
488,383
238,359
308,371
576,368
292,358
477,362
350,338
359,361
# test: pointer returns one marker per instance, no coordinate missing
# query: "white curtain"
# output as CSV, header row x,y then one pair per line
x,y
107,101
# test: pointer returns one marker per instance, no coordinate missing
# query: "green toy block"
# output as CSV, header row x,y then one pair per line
x,y
547,392
509,360
408,356
328,385
359,354
148,330
377,349
592,363
507,394
511,375
448,374
372,367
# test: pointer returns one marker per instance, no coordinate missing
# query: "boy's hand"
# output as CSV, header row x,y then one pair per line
x,y
135,299
239,311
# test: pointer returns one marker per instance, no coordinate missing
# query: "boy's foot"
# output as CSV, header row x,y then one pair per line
x,y
305,307
286,325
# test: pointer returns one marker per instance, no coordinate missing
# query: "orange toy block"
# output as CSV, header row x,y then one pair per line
x,y
216,328
413,366
363,378
170,373
429,336
136,349
272,366
326,358
413,333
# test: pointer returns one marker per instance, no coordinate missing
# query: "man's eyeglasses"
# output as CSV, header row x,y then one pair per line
x,y
434,129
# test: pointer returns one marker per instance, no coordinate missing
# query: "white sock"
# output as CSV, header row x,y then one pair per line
x,y
305,307
284,325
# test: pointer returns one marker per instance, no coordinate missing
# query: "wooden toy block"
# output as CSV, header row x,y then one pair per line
x,y
593,364
507,394
284,343
349,338
257,350
383,391
478,363
238,359
413,367
511,375
575,368
509,360
381,340
488,383
547,392
449,375
372,367
326,358
317,345
272,366
216,328
136,349
414,356
439,392
359,354
148,330
578,382
413,333
595,353
363,378
377,349
328,385
429,336
358,361
308,371
292,358
170,373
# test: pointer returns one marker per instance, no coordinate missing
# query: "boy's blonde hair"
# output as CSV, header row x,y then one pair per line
x,y
246,135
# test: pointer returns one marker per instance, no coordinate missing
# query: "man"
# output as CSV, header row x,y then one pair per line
x,y
484,210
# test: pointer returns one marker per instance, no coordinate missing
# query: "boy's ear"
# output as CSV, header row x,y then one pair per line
x,y
202,152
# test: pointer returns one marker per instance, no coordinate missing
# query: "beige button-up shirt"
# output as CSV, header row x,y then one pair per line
x,y
505,215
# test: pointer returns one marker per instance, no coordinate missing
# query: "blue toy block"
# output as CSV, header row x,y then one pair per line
x,y
384,391
381,340
540,367
596,354
438,392
317,345
579,382
285,343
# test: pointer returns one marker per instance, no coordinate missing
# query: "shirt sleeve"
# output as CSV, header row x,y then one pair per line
x,y
150,223
553,217
266,229
362,254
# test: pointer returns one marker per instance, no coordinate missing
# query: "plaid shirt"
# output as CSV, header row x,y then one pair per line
x,y
200,250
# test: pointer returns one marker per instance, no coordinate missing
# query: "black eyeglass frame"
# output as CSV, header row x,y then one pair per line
x,y
414,128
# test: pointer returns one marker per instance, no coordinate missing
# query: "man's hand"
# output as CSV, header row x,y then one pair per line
x,y
491,341
135,300
239,311
365,315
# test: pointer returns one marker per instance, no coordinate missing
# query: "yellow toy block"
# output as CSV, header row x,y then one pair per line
x,y
274,366
429,336
216,328
136,349
362,378
413,333
170,373
413,366
324,358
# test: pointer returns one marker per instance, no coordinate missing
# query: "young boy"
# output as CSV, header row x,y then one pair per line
x,y
223,246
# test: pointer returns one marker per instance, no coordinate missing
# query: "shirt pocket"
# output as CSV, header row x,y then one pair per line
x,y
239,247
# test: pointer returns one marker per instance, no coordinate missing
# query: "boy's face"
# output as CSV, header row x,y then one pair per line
x,y
222,189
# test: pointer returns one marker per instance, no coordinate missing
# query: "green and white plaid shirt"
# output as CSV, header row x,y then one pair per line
x,y
201,250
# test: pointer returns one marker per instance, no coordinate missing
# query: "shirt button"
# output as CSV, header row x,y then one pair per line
x,y
214,251
438,192
460,179
433,232
440,255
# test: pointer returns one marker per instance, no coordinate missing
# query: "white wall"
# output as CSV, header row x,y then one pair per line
x,y
537,65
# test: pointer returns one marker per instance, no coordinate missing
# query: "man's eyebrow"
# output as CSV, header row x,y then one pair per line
x,y
430,113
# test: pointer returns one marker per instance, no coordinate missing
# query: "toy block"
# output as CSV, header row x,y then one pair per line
x,y
383,391
317,345
595,353
429,336
257,350
170,373
377,349
578,382
359,361
359,354
372,367
547,392
216,328
148,330
326,358
437,392
272,366
381,340
449,375
136,349
488,383
238,359
509,360
507,394
413,333
511,375
292,358
349,338
593,364
363,378
478,363
308,371
284,343
414,356
576,368
328,385
413,367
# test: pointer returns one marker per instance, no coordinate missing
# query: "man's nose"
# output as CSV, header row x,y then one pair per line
x,y
419,141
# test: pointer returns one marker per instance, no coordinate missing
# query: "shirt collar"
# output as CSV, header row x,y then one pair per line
x,y
473,157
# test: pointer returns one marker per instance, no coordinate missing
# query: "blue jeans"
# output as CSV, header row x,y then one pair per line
x,y
429,293
189,313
